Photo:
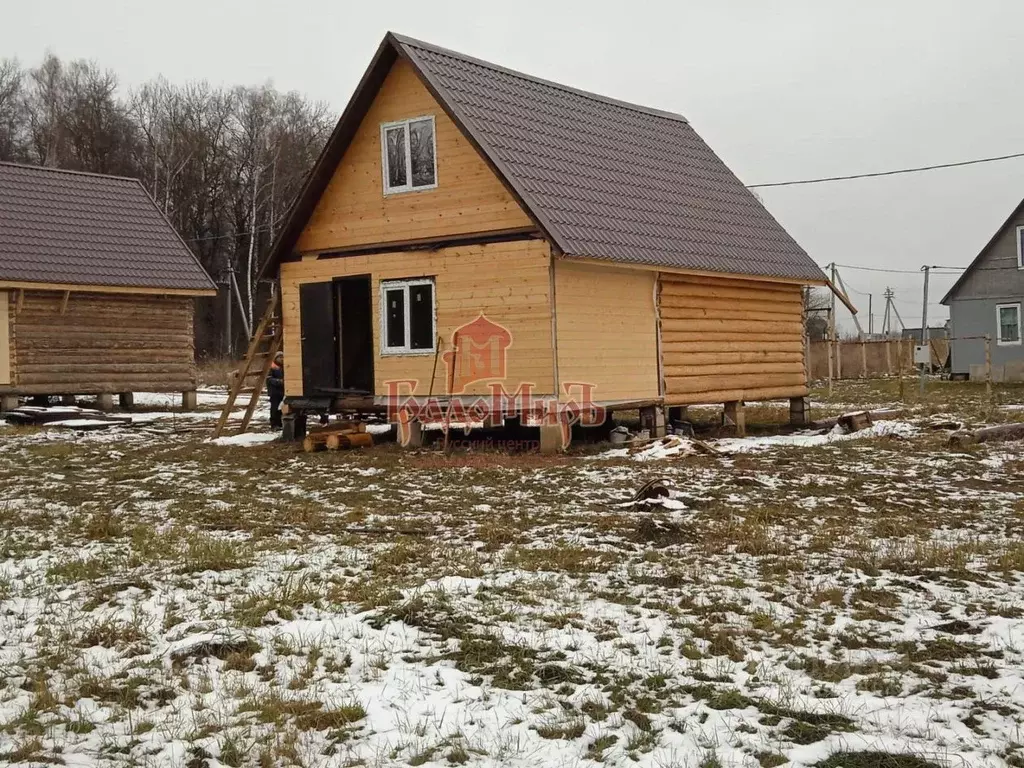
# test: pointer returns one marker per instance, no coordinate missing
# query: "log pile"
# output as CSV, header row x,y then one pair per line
x,y
337,435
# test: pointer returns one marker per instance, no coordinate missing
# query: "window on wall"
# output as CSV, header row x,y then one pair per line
x,y
408,152
1020,247
407,317
1008,324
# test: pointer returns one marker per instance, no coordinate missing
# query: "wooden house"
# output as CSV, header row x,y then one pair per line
x,y
986,300
603,244
97,290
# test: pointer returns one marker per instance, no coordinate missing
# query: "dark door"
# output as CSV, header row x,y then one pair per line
x,y
319,338
356,312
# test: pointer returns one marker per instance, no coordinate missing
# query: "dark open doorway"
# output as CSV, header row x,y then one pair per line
x,y
355,315
319,338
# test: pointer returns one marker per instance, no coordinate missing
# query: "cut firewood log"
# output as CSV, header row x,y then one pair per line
x,y
856,421
967,437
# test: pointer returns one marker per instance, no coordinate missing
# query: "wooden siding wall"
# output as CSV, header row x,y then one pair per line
x,y
353,210
100,343
5,339
607,330
725,340
509,282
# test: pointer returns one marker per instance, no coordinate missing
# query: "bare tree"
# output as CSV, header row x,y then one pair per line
x,y
11,113
816,304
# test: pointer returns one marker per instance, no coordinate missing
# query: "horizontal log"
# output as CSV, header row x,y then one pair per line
x,y
96,388
33,333
729,395
684,289
728,282
740,310
685,384
732,369
125,381
734,326
717,339
723,347
997,433
729,358
101,367
37,352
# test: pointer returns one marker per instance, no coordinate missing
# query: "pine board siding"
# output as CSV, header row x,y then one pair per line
x,y
606,327
353,209
724,339
100,343
509,282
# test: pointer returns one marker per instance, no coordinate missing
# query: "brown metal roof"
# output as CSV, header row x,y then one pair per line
x,y
602,178
77,228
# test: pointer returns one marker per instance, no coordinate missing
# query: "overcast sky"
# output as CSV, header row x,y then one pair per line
x,y
782,90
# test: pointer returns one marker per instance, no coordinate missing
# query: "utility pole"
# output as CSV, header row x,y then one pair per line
x,y
229,342
871,316
832,348
924,327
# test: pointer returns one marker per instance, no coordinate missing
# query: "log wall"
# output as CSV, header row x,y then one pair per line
x,y
99,342
724,339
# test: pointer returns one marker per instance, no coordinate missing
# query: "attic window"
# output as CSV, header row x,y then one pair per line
x,y
1020,247
408,153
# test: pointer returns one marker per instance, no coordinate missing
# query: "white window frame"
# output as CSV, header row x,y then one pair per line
x,y
1020,242
999,325
407,187
406,349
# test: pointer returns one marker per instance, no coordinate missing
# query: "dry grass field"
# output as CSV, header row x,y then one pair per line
x,y
860,603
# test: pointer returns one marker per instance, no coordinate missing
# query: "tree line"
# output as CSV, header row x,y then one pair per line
x,y
222,163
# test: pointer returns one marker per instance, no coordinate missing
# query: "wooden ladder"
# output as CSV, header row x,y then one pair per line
x,y
263,346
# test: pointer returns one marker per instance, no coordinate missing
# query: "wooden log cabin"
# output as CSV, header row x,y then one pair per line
x,y
599,244
97,291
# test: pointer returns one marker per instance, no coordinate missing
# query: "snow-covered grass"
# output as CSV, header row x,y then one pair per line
x,y
169,601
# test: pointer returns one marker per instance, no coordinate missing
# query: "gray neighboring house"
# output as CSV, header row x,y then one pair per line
x,y
987,299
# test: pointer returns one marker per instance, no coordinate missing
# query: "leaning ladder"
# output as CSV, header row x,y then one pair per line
x,y
263,346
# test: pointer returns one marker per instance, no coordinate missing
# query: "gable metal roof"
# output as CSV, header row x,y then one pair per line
x,y
603,179
75,228
981,255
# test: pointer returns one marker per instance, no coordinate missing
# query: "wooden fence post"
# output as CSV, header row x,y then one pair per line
x,y
988,368
888,357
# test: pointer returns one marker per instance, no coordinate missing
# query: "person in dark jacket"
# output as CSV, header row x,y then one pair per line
x,y
275,390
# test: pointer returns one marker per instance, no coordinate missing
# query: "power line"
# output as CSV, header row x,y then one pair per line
x,y
894,172
952,270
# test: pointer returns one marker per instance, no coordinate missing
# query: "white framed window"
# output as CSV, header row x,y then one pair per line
x,y
407,317
1020,247
1007,324
408,150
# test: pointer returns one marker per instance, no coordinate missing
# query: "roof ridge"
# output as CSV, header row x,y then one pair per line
x,y
413,42
29,166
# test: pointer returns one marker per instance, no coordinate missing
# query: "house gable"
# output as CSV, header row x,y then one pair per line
x,y
995,273
353,209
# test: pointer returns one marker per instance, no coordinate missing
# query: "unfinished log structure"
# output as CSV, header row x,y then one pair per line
x,y
525,233
97,291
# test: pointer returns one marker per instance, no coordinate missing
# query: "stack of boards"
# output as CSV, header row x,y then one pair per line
x,y
64,416
336,435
